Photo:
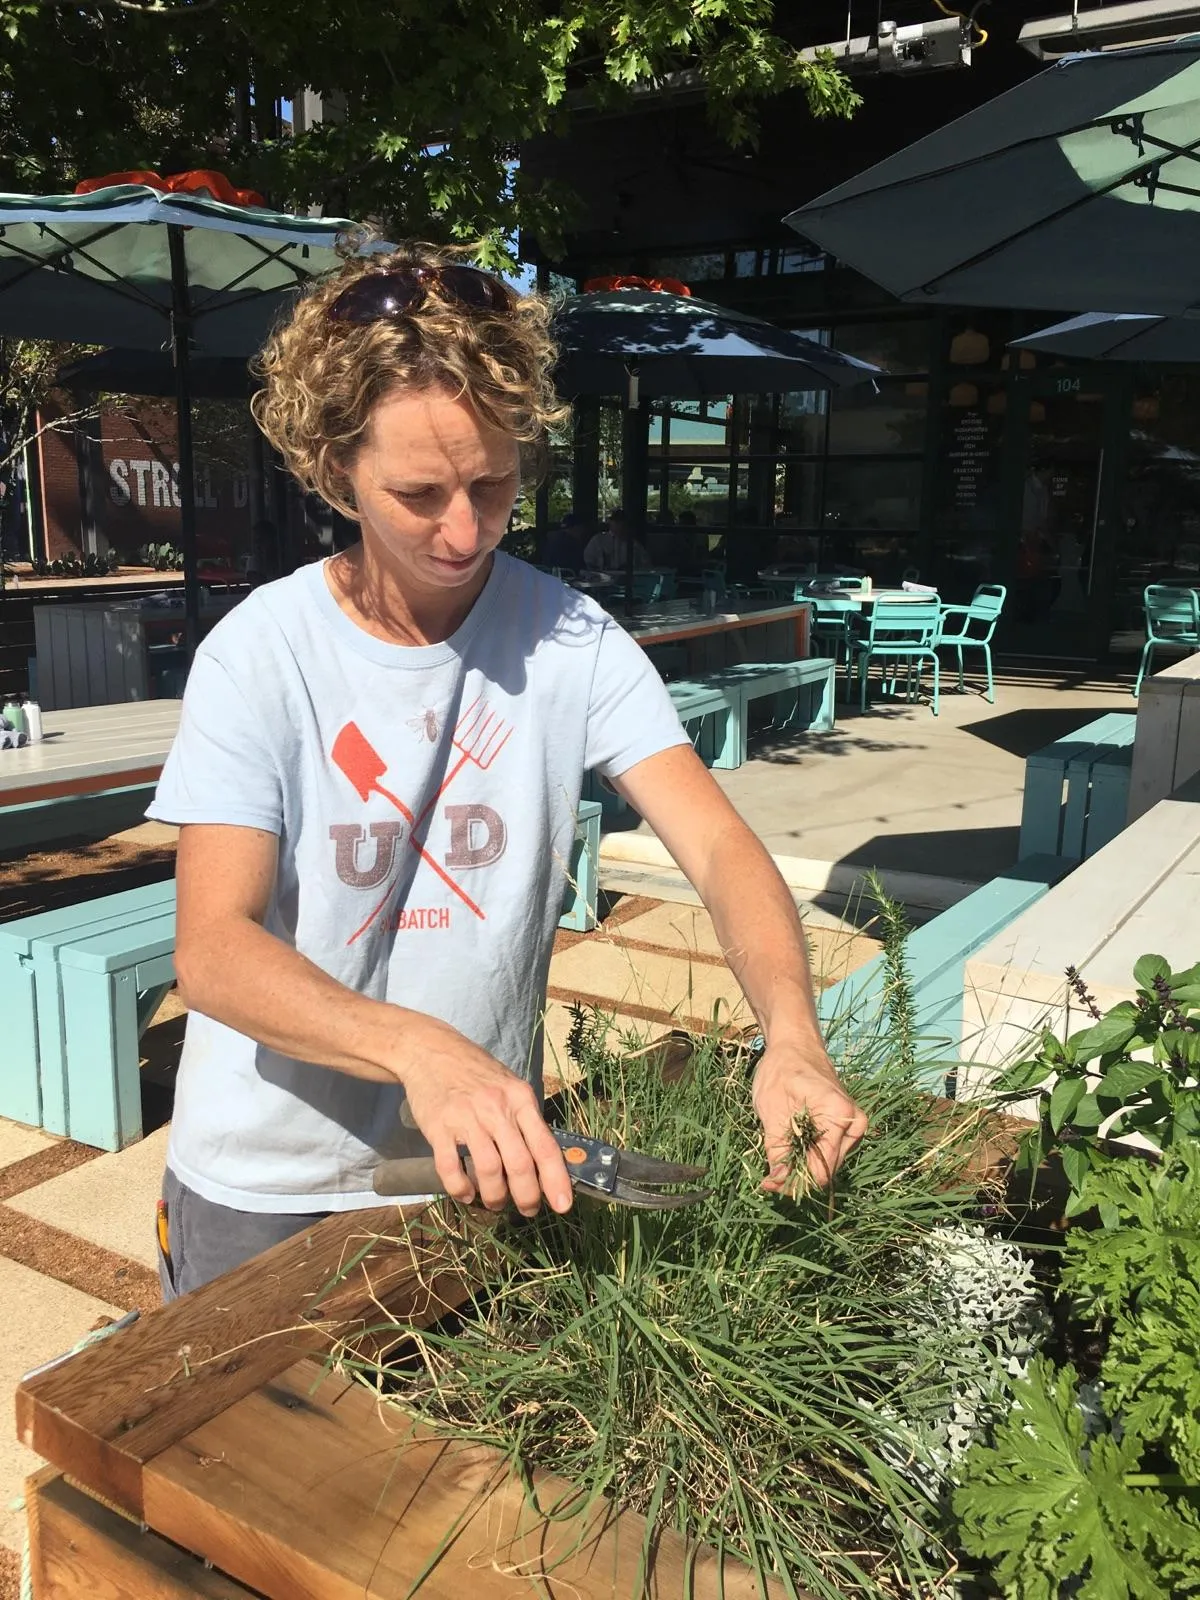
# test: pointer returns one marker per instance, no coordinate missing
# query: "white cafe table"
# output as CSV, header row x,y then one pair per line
x,y
89,750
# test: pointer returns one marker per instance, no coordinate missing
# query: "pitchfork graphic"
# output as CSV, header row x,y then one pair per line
x,y
358,759
479,737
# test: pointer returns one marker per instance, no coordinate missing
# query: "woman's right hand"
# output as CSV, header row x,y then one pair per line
x,y
459,1095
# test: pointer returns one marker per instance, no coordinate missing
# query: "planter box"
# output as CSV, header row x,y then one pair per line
x,y
211,1431
1166,747
212,1424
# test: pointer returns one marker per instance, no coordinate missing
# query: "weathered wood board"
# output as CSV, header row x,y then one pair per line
x,y
204,1422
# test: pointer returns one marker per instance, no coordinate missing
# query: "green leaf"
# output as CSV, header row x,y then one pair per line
x,y
1112,1032
1045,1514
1126,1079
1087,1115
1077,1163
1022,1076
1065,1096
1149,968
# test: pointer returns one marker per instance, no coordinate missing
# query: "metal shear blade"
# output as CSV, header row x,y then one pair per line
x,y
625,1177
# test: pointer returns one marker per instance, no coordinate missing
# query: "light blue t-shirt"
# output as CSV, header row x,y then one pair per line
x,y
424,798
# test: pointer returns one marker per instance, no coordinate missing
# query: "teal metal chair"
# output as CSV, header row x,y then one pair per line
x,y
900,632
1172,619
971,627
832,629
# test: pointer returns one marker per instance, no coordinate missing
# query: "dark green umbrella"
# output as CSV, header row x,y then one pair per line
x,y
133,266
1078,187
1118,336
641,343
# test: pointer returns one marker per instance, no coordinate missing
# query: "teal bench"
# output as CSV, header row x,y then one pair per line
x,y
803,691
112,984
1077,790
40,821
34,1084
82,983
713,716
715,707
581,901
937,954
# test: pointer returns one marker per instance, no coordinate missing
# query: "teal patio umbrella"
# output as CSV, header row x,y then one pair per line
x,y
150,268
1079,187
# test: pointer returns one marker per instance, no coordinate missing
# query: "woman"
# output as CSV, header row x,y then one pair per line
x,y
376,777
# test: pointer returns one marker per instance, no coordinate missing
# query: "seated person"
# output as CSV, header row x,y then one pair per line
x,y
564,544
609,551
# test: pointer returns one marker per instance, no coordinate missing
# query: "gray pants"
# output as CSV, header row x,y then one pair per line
x,y
206,1240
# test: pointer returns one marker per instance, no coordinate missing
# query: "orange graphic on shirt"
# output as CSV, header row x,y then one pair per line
x,y
479,737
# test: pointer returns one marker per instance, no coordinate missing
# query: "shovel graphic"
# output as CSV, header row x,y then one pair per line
x,y
358,760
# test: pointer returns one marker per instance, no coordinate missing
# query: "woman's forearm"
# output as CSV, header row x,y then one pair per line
x,y
239,974
761,934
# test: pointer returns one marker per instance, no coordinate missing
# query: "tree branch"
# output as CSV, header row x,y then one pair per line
x,y
155,8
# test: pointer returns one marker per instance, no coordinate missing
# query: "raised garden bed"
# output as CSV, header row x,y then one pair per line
x,y
221,1426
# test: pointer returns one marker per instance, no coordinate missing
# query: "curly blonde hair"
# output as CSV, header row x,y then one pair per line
x,y
323,378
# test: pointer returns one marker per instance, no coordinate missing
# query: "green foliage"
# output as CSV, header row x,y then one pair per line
x,y
162,557
898,1004
72,565
1143,1272
1045,1505
435,100
1046,1500
719,1368
1135,1069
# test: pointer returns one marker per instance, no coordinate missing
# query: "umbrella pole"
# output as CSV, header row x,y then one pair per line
x,y
181,328
633,480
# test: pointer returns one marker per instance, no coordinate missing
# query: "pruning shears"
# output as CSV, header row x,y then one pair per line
x,y
600,1171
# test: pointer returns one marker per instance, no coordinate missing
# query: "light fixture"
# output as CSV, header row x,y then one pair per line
x,y
997,403
1037,411
1146,408
918,388
970,348
964,395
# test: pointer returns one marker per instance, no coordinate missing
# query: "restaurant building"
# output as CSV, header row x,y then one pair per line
x,y
1074,485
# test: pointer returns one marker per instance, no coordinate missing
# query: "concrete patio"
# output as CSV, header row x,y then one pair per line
x,y
933,803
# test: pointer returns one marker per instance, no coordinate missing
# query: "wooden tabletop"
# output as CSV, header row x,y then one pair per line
x,y
90,749
665,627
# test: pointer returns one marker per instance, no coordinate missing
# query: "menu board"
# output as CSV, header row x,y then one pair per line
x,y
967,493
969,454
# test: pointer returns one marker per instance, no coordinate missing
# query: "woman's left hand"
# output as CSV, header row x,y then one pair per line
x,y
791,1079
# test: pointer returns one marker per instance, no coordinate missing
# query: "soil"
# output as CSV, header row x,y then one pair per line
x,y
75,870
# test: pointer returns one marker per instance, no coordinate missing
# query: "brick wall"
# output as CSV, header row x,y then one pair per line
x,y
135,488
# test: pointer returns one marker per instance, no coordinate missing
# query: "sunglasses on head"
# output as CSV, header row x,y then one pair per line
x,y
381,296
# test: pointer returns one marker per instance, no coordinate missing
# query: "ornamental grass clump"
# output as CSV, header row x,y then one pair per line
x,y
724,1368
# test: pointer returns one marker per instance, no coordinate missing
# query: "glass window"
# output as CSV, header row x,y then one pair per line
x,y
879,419
800,258
803,420
702,267
692,427
977,341
885,557
1158,535
747,263
894,346
798,490
865,495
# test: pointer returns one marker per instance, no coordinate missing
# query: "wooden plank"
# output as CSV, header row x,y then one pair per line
x,y
80,1550
310,1489
103,1413
93,783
